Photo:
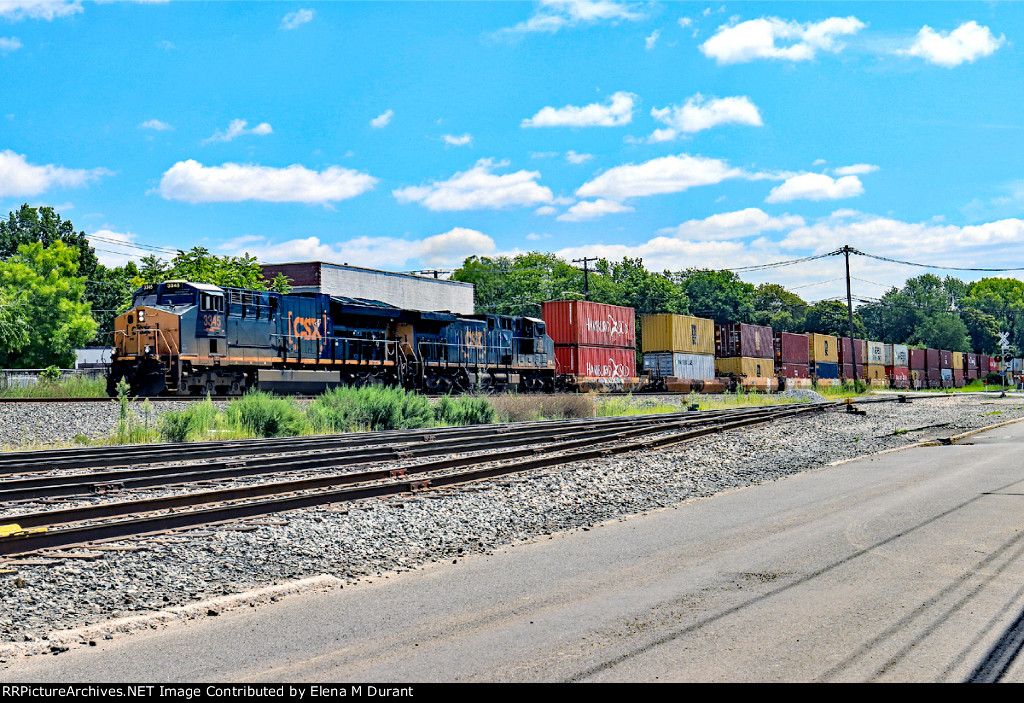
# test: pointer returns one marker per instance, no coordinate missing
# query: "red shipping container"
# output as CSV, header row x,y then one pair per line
x,y
596,362
751,341
860,346
899,375
931,359
971,374
945,359
917,360
795,370
993,365
958,378
934,376
971,362
792,349
583,323
983,364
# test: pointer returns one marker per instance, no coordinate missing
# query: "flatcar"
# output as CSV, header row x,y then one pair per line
x,y
183,338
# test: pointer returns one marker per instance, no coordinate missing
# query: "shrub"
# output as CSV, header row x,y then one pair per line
x,y
369,408
266,415
519,408
463,410
196,421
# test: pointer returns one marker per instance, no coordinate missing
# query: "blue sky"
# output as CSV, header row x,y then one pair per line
x,y
410,135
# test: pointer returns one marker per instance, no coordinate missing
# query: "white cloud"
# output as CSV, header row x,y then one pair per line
x,y
590,210
382,120
685,22
192,182
297,18
533,236
667,174
699,113
155,124
756,39
554,15
669,253
114,249
447,249
462,140
733,225
650,41
478,189
855,170
9,44
237,128
39,9
815,186
19,178
574,158
545,210
617,111
968,42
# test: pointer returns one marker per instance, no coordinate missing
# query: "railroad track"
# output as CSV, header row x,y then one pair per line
x,y
467,454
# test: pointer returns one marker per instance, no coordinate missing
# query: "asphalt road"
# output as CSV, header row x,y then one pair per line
x,y
906,566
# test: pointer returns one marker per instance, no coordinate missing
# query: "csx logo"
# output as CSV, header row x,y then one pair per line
x,y
307,328
474,339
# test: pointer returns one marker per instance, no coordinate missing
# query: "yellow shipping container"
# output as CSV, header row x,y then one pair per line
x,y
745,366
823,347
876,372
677,333
958,360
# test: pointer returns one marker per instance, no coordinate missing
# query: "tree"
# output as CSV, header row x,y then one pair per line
x,y
45,226
1003,299
198,265
519,285
53,307
832,317
777,308
720,295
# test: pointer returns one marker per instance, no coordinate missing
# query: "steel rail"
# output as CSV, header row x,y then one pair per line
x,y
322,492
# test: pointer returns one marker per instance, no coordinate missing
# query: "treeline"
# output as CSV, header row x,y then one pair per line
x,y
928,311
56,296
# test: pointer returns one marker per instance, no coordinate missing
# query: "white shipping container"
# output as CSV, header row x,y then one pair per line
x,y
680,365
876,353
897,355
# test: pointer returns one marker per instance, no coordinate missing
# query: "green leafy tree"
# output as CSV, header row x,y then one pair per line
x,y
720,295
1003,299
518,286
777,308
942,331
831,317
983,330
198,265
54,309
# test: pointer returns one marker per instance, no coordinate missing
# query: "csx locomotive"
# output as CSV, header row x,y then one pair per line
x,y
182,338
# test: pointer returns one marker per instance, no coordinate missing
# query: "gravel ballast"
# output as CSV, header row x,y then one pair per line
x,y
369,539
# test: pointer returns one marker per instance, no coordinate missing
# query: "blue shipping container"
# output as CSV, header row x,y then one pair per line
x,y
825,369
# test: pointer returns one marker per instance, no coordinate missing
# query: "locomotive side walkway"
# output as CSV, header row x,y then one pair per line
x,y
904,566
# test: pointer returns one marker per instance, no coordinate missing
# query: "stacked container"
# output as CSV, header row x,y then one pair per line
x,y
971,366
934,372
592,339
823,355
745,350
850,355
897,365
946,368
958,369
678,346
792,355
918,368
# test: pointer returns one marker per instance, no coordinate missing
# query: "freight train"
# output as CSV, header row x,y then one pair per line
x,y
182,338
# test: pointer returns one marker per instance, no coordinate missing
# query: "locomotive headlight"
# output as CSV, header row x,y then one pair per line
x,y
149,349
142,315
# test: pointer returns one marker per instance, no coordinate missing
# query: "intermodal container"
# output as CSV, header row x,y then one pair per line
x,y
753,367
876,353
845,356
945,359
677,333
934,376
971,362
792,349
583,323
897,355
931,359
595,362
825,369
876,372
679,365
740,340
899,375
794,370
958,378
822,347
946,375
918,359
984,365
993,365
958,361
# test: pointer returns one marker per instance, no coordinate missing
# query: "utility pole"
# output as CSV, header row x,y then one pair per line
x,y
849,309
586,274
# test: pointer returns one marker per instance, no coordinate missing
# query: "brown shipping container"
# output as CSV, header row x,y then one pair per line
x,y
677,333
794,371
945,359
823,347
740,340
972,362
931,359
918,359
596,362
792,349
844,351
745,366
958,378
582,323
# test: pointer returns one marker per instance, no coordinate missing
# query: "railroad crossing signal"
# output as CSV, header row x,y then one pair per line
x,y
1004,340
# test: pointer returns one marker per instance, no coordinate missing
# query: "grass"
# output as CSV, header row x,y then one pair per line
x,y
71,387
